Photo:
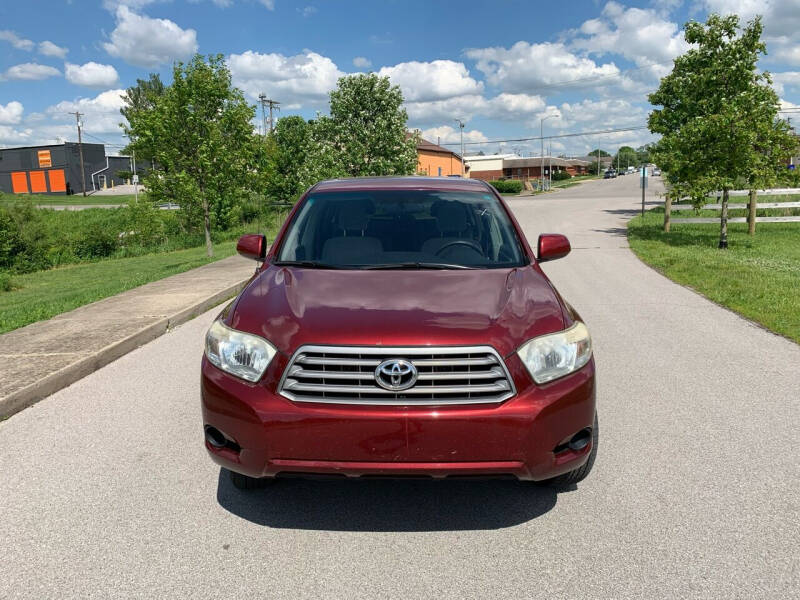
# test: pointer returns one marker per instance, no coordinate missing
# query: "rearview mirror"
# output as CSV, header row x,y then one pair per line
x,y
553,246
252,245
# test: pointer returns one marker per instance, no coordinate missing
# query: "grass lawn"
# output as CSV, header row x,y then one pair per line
x,y
758,276
47,200
44,294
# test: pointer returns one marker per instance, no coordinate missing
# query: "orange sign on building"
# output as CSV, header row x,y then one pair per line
x,y
44,159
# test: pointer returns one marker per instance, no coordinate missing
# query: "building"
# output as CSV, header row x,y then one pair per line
x,y
511,166
487,168
56,169
436,160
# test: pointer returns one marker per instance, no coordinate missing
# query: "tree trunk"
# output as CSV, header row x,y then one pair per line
x,y
207,228
751,214
723,229
667,211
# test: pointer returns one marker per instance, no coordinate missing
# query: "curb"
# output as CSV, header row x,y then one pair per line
x,y
31,394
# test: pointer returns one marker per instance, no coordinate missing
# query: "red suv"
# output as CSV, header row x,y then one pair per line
x,y
400,326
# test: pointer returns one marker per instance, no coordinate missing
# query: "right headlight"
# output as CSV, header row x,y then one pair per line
x,y
239,353
557,354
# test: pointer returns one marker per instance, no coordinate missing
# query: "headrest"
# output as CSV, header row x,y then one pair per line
x,y
354,215
450,216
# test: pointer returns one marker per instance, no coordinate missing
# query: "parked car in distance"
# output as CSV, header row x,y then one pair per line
x,y
656,172
609,174
400,326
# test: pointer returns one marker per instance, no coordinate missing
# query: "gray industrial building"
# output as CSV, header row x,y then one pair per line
x,y
56,169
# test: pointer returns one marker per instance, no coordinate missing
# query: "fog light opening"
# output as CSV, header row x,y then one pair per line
x,y
217,439
580,440
576,443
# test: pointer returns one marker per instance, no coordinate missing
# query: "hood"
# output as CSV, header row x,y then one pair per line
x,y
501,307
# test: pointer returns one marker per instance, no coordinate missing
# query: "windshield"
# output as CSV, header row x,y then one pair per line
x,y
401,229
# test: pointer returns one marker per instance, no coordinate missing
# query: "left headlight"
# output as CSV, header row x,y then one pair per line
x,y
557,354
238,353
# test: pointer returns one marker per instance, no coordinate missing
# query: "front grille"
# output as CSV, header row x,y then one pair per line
x,y
446,375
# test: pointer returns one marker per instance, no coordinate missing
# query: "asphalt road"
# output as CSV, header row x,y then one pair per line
x,y
106,491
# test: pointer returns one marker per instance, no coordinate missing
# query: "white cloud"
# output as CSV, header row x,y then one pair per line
x,y
362,62
436,80
48,48
11,113
786,79
145,42
436,111
307,11
513,107
524,67
101,115
268,4
642,36
299,80
605,114
91,74
30,72
446,135
16,41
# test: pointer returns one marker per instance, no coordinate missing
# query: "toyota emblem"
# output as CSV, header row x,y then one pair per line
x,y
396,375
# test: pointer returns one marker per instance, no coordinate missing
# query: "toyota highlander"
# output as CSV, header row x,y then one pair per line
x,y
397,327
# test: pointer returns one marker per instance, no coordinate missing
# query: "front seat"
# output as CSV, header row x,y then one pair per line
x,y
353,246
451,223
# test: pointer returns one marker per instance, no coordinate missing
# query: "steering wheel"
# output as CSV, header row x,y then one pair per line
x,y
468,243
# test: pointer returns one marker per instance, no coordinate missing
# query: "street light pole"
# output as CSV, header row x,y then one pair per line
x,y
541,136
461,127
78,116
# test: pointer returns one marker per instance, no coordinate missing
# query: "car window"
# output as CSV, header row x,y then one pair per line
x,y
402,227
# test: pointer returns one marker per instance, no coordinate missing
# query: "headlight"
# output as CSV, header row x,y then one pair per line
x,y
557,354
241,354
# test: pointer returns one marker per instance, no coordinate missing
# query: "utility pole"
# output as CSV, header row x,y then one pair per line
x,y
273,105
135,176
461,127
598,161
78,116
550,166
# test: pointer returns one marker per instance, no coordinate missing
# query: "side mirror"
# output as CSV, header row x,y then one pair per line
x,y
553,246
252,245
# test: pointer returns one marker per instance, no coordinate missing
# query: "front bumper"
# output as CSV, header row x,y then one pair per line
x,y
271,435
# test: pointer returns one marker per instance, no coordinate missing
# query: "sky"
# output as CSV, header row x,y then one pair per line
x,y
501,66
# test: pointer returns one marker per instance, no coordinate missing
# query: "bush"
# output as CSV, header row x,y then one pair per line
x,y
507,186
560,176
6,285
96,242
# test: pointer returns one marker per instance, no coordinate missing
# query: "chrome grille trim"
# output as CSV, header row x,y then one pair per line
x,y
448,375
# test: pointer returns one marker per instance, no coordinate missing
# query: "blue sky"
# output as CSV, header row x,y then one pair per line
x,y
500,65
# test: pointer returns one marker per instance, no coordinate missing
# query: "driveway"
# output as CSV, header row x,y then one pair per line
x,y
105,488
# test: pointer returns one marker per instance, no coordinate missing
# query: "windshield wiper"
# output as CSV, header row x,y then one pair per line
x,y
417,265
308,264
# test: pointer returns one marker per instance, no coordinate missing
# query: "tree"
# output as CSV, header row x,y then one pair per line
x,y
140,97
202,139
718,119
366,129
297,158
600,151
625,157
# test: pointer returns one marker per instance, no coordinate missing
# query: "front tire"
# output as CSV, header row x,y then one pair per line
x,y
243,482
582,472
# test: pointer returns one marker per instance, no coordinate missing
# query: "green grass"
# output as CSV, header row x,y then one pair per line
x,y
742,212
758,276
74,199
44,294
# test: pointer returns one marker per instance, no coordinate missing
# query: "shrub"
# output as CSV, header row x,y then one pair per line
x,y
96,242
507,186
6,285
561,175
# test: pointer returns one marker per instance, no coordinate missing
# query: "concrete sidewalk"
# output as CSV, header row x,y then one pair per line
x,y
49,355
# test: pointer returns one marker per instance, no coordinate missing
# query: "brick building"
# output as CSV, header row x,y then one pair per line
x,y
436,160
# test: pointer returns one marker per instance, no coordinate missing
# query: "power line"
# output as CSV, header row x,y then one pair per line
x,y
549,137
